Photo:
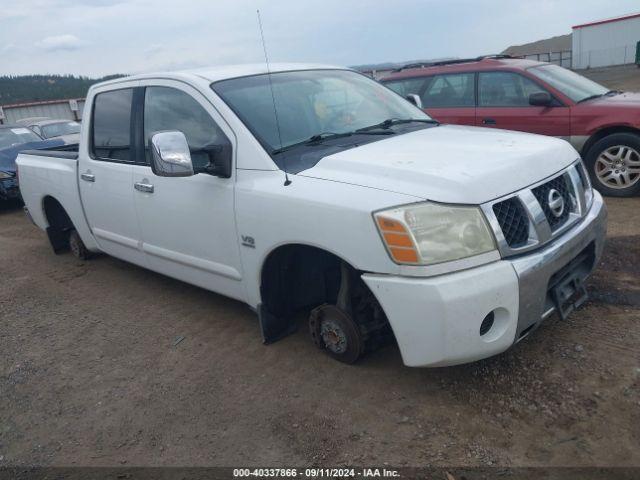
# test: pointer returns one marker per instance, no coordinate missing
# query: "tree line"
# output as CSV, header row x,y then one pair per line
x,y
33,88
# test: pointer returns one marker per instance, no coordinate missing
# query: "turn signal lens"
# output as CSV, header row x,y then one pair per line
x,y
404,255
390,225
398,240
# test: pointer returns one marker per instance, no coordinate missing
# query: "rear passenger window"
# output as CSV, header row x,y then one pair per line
x,y
112,125
454,90
167,108
407,86
505,89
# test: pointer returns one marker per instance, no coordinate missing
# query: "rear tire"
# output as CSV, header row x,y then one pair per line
x,y
614,164
77,246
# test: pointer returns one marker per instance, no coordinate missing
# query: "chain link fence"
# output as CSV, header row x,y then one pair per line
x,y
563,58
605,57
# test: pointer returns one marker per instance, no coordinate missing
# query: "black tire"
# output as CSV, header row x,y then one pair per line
x,y
77,246
335,332
594,166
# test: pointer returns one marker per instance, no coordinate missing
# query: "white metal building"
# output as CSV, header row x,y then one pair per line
x,y
606,42
66,109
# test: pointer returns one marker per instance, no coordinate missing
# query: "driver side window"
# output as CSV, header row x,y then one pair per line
x,y
505,89
168,108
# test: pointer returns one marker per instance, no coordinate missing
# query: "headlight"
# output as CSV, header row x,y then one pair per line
x,y
429,233
5,175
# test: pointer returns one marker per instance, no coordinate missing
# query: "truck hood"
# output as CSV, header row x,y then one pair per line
x,y
8,155
449,164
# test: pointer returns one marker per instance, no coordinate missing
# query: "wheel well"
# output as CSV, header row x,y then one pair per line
x,y
55,214
59,224
600,134
297,278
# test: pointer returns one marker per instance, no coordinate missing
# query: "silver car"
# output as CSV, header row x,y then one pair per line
x,y
67,130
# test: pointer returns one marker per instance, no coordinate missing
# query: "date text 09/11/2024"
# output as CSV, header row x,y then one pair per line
x,y
316,472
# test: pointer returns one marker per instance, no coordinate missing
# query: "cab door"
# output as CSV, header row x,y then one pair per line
x,y
106,175
188,223
503,102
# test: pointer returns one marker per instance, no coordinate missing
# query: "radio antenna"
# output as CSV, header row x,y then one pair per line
x,y
273,99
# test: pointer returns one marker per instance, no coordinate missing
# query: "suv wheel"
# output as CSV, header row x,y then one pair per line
x,y
614,164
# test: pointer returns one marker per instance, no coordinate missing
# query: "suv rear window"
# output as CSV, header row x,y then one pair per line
x,y
111,139
407,86
455,90
451,90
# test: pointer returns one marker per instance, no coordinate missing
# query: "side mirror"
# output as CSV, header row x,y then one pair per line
x,y
540,99
170,155
415,99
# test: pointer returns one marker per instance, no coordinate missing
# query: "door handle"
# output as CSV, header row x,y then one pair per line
x,y
488,121
88,177
143,187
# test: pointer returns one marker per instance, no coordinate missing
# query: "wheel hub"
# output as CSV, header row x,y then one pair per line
x,y
334,338
618,167
334,331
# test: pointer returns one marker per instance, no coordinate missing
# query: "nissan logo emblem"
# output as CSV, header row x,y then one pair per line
x,y
555,202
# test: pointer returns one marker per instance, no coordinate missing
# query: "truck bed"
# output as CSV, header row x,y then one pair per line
x,y
51,175
64,151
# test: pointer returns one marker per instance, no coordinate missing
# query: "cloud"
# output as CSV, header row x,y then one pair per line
x,y
59,42
117,36
153,49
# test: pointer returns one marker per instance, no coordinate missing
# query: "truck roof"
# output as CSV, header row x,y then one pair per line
x,y
223,72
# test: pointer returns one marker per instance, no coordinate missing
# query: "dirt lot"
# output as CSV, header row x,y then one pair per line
x,y
90,375
623,77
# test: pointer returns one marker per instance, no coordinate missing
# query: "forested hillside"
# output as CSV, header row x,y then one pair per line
x,y
31,88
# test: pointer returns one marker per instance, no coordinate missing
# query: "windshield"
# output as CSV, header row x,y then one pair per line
x,y
574,86
10,137
310,103
60,129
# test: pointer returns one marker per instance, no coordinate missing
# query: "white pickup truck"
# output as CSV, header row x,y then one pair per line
x,y
314,189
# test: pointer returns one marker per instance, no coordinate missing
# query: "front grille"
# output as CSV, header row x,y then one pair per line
x,y
513,221
541,193
524,220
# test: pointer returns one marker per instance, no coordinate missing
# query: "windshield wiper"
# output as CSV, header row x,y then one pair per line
x,y
320,137
598,95
590,97
606,94
396,121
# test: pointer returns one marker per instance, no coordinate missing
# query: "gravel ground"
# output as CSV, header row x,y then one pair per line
x,y
105,364
92,374
621,77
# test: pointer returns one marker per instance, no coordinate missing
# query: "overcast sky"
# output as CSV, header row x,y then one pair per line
x,y
98,37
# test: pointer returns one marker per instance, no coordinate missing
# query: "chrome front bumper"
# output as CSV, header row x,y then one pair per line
x,y
437,320
535,270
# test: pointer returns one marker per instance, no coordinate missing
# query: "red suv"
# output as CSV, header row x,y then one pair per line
x,y
517,94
